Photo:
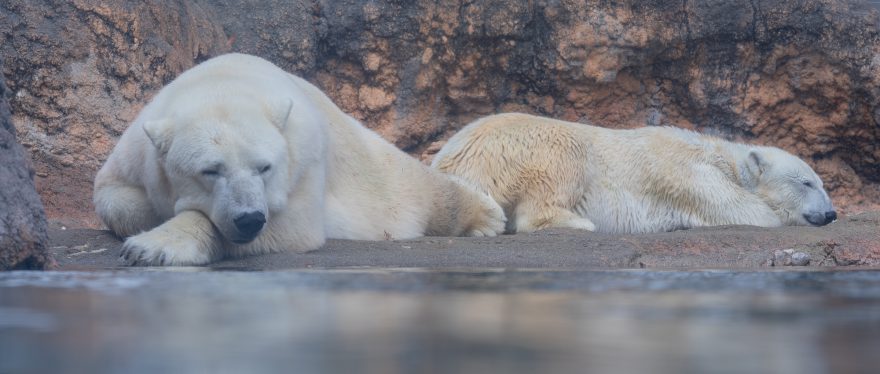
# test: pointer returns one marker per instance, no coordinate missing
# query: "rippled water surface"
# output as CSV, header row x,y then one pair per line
x,y
411,320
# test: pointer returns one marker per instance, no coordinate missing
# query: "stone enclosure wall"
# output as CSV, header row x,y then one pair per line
x,y
23,236
803,75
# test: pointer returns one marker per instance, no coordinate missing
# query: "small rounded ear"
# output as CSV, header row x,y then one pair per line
x,y
755,163
158,132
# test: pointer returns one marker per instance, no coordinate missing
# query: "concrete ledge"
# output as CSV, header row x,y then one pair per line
x,y
851,241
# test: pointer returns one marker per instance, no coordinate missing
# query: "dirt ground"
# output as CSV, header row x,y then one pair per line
x,y
850,241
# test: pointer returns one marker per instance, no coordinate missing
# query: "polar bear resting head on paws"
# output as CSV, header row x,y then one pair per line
x,y
231,176
549,173
238,157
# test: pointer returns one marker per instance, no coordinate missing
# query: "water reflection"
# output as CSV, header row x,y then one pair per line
x,y
396,321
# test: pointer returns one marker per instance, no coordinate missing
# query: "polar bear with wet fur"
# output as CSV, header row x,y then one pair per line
x,y
237,157
549,173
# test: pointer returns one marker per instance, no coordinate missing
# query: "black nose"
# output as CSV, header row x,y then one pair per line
x,y
830,216
249,224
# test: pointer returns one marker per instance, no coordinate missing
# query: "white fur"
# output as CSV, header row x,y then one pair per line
x,y
236,134
549,173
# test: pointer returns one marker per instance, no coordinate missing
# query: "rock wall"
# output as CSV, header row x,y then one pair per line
x,y
803,75
80,71
23,236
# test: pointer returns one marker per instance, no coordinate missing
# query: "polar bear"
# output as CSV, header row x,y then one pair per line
x,y
237,157
550,173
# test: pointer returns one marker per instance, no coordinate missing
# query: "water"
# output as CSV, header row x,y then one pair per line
x,y
412,320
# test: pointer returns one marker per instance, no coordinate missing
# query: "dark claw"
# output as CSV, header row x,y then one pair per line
x,y
162,259
124,257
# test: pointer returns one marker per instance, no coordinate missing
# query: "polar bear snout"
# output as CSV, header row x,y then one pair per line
x,y
248,226
821,219
830,216
240,209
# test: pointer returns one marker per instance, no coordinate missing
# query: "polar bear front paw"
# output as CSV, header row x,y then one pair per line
x,y
155,249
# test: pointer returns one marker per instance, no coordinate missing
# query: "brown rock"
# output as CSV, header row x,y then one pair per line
x,y
81,72
375,99
23,236
799,74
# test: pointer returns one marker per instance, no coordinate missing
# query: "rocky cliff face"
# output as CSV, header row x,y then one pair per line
x,y
23,236
81,70
803,75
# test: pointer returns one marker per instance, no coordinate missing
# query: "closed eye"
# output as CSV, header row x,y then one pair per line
x,y
210,172
265,169
808,184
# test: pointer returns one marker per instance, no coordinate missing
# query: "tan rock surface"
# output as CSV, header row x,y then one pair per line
x,y
851,241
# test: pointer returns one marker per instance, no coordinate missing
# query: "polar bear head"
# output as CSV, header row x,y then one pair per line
x,y
226,159
789,186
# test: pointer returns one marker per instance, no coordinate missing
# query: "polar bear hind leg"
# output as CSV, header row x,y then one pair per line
x,y
531,216
487,231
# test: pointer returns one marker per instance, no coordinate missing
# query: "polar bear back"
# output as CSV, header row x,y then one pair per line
x,y
637,180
